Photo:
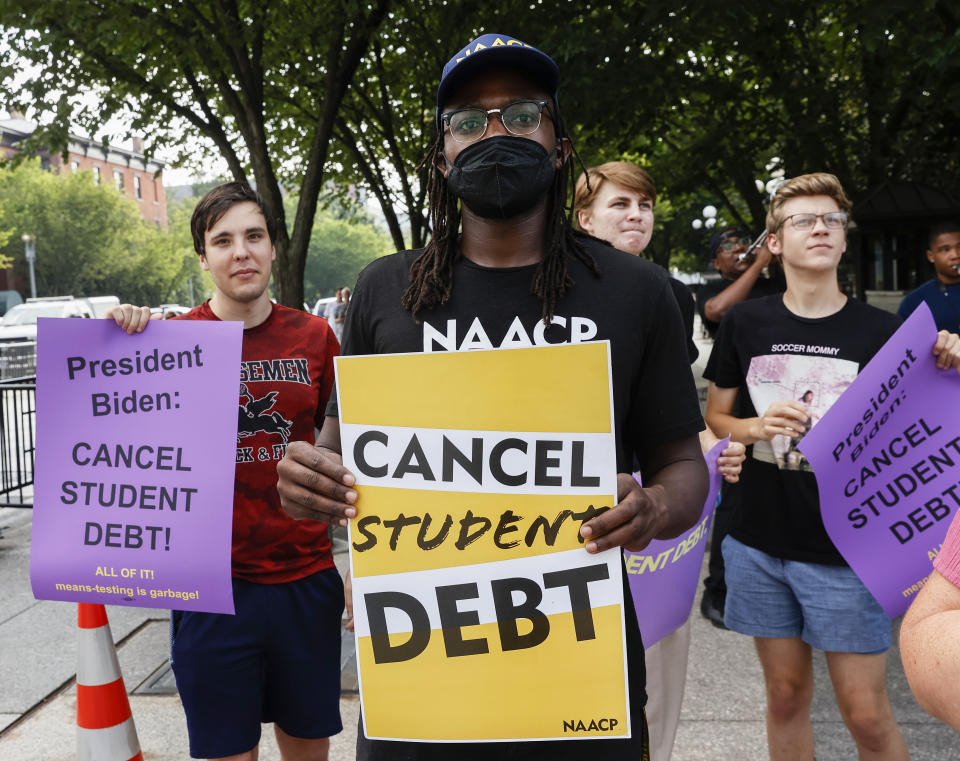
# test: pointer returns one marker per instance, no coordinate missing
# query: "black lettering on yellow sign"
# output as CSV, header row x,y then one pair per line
x,y
595,725
508,612
472,528
370,454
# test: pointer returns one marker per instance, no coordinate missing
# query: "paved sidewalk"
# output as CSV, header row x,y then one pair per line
x,y
722,717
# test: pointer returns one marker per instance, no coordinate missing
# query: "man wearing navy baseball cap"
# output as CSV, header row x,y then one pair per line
x,y
504,268
741,276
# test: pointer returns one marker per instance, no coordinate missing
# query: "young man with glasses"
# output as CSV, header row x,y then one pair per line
x,y
741,277
518,275
777,365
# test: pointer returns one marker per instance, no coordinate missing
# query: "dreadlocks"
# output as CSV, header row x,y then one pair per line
x,y
431,274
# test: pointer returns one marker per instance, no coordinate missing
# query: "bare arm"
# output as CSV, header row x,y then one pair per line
x,y
739,289
671,502
930,649
312,481
787,418
784,418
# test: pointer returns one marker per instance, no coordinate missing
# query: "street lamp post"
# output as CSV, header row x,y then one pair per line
x,y
30,250
709,220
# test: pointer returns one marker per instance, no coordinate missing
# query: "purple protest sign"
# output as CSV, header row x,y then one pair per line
x,y
886,456
663,578
135,458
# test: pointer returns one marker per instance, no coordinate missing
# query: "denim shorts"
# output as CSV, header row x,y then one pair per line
x,y
827,606
276,660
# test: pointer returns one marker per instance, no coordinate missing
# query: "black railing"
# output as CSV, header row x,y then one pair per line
x,y
18,407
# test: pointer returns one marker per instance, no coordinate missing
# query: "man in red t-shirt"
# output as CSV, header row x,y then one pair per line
x,y
278,658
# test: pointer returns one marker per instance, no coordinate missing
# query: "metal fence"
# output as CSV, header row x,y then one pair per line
x,y
18,407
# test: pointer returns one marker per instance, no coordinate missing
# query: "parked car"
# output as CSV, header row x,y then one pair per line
x,y
20,322
102,304
9,299
169,310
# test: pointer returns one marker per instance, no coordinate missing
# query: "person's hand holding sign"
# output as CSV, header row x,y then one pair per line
x,y
730,461
130,318
947,350
667,507
637,519
313,483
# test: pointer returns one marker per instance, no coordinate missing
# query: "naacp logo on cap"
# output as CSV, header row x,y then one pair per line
x,y
482,43
491,50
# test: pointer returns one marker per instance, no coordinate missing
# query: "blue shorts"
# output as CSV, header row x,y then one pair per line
x,y
276,660
827,606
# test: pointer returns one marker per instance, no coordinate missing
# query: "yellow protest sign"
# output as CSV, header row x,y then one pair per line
x,y
479,616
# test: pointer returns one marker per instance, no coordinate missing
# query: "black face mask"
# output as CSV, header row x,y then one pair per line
x,y
501,176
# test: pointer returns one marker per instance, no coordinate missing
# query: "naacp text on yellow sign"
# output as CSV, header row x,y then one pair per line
x,y
479,615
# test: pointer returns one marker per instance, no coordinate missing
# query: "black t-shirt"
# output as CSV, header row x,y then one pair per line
x,y
654,395
771,354
763,287
685,301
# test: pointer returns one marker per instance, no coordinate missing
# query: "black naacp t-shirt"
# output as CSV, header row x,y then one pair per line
x,y
763,287
771,355
632,304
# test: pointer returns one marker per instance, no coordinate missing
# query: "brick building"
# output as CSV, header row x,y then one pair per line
x,y
129,171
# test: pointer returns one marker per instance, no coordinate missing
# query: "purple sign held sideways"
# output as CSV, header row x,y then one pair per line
x,y
135,458
663,578
887,460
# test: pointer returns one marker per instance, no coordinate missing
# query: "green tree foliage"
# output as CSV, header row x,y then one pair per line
x,y
5,235
190,285
339,249
715,96
386,123
710,96
262,82
90,240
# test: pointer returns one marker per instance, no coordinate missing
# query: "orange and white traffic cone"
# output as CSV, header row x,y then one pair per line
x,y
105,730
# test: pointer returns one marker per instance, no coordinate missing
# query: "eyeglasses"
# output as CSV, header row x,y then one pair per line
x,y
731,243
522,117
803,222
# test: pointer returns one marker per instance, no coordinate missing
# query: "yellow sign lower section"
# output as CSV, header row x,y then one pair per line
x,y
530,386
401,530
538,693
468,603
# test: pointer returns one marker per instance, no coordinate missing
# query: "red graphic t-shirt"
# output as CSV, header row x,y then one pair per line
x,y
286,377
